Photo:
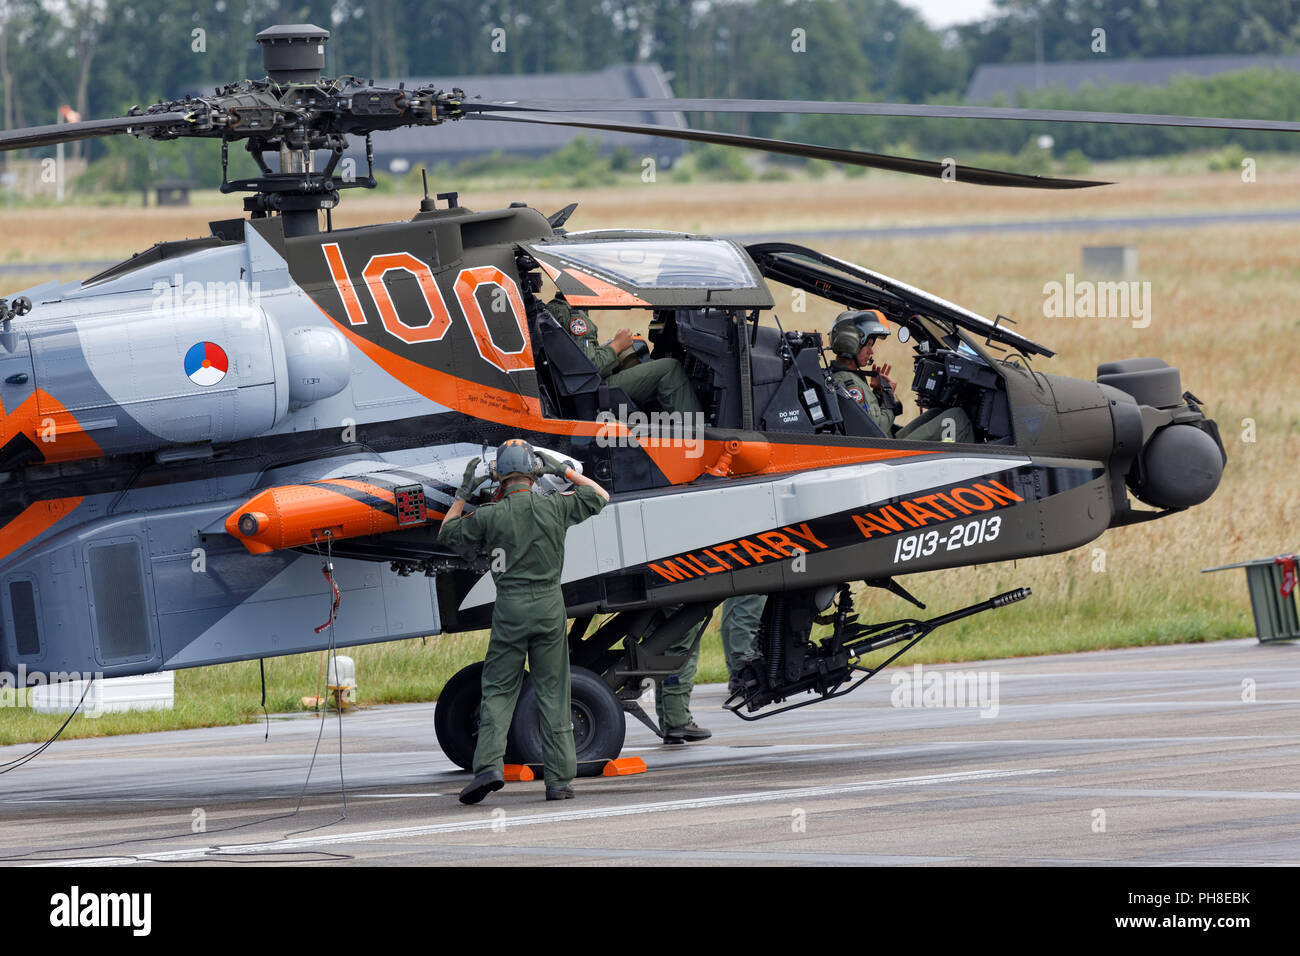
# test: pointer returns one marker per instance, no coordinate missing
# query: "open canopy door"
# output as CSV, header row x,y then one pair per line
x,y
857,287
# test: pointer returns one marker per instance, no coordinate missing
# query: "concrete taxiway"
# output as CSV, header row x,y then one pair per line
x,y
1170,756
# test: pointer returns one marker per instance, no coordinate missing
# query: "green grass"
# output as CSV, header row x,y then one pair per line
x,y
392,673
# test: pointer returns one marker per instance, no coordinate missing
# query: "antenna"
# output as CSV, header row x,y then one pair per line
x,y
426,204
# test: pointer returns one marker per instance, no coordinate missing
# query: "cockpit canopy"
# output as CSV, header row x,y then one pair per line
x,y
612,269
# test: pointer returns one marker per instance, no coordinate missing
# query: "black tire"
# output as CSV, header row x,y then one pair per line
x,y
599,727
455,716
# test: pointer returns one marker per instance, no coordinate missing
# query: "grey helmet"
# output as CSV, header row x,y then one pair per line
x,y
515,456
850,330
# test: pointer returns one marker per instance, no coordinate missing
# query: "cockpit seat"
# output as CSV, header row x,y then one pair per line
x,y
575,386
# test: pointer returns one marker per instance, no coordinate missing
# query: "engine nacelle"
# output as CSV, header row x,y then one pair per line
x,y
318,364
87,386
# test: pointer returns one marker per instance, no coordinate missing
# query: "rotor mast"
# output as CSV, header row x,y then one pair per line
x,y
294,55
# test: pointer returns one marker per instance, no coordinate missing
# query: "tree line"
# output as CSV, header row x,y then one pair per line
x,y
103,56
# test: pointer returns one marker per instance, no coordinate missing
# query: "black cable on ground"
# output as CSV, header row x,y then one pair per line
x,y
214,852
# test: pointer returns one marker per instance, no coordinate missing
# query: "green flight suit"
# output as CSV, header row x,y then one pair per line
x,y
860,391
740,619
673,693
741,616
930,426
527,619
937,423
662,379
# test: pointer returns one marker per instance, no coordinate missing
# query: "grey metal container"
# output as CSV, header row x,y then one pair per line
x,y
1275,615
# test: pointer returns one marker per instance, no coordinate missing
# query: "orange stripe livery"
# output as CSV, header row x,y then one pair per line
x,y
49,426
34,520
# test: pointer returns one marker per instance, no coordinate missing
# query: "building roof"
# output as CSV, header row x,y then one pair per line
x,y
459,140
1009,78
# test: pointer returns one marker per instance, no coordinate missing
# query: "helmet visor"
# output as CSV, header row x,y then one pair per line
x,y
868,325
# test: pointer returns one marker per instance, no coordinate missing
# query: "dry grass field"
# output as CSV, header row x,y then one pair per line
x,y
74,232
1224,308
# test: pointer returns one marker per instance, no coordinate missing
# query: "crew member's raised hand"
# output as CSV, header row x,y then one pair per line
x,y
470,483
881,375
554,466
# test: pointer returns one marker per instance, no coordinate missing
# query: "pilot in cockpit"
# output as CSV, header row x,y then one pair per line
x,y
853,339
661,379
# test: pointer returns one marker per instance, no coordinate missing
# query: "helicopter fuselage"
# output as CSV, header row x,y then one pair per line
x,y
188,434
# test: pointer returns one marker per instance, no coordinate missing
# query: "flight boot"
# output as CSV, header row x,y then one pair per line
x,y
692,731
484,783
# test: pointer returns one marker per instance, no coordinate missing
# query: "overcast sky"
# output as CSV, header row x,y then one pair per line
x,y
944,13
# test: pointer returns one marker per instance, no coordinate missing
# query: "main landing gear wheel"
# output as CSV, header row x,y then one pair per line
x,y
599,727
455,716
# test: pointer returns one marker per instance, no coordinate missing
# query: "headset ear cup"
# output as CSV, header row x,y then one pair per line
x,y
846,341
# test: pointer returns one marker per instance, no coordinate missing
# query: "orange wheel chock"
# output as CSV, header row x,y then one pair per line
x,y
519,773
623,767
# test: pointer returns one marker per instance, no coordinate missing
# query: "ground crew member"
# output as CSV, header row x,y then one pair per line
x,y
853,339
527,530
741,616
663,379
673,693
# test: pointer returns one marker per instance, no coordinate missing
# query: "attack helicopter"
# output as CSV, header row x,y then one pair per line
x,y
175,474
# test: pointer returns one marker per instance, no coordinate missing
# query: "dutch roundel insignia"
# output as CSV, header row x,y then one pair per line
x,y
578,325
856,393
206,363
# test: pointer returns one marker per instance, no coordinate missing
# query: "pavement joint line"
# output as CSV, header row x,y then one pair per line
x,y
1174,793
481,823
671,853
1052,741
394,796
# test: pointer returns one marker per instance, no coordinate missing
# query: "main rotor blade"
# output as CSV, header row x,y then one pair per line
x,y
900,164
86,129
830,107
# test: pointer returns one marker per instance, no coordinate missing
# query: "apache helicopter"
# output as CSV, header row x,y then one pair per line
x,y
173,472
